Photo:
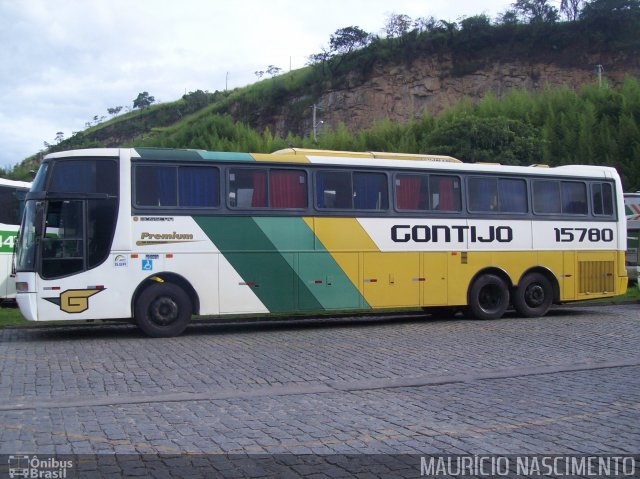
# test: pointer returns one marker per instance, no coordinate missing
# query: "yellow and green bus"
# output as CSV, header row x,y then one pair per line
x,y
159,235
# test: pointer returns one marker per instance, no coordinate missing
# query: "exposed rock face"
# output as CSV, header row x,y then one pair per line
x,y
400,92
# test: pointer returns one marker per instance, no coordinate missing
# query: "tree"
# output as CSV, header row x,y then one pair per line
x,y
273,70
536,11
510,17
570,9
144,100
475,24
345,40
425,24
114,111
397,25
608,9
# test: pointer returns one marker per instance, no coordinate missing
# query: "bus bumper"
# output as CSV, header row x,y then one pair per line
x,y
28,306
26,295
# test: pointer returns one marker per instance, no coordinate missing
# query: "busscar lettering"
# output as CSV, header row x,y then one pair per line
x,y
448,234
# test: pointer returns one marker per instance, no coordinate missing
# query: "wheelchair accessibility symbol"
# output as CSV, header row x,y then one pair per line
x,y
147,265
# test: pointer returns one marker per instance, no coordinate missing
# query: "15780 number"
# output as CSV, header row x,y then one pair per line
x,y
594,235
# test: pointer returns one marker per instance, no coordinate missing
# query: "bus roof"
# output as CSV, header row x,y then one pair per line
x,y
15,183
343,158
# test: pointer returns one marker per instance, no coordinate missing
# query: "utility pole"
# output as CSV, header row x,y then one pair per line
x,y
316,123
599,70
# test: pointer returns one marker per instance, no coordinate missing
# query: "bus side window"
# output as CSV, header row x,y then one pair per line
x,y
412,192
247,188
574,198
287,189
546,197
199,186
444,193
370,191
333,190
156,185
602,199
483,194
513,195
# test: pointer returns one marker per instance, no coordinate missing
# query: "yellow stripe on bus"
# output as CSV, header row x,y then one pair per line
x,y
345,240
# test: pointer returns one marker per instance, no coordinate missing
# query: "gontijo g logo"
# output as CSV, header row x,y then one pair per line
x,y
75,300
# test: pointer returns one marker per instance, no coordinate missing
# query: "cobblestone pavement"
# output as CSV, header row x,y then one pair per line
x,y
568,383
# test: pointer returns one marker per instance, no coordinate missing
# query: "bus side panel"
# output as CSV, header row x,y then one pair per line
x,y
7,282
434,278
568,279
327,282
392,279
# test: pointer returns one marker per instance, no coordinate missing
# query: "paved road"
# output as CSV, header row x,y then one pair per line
x,y
568,383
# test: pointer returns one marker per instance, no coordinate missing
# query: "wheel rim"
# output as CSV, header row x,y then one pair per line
x,y
534,295
164,311
490,298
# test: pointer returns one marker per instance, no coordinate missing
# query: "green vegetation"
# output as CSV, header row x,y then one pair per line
x,y
596,126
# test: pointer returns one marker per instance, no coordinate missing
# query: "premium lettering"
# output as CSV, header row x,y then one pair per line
x,y
166,236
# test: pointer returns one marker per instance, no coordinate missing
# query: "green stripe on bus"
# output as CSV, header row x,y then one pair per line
x,y
315,266
257,261
277,255
167,154
225,156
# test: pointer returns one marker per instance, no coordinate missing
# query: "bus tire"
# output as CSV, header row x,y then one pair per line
x,y
533,296
163,310
488,297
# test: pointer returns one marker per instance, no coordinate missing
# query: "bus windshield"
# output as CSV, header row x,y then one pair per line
x,y
26,247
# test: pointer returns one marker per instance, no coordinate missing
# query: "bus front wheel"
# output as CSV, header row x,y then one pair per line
x,y
488,297
163,310
533,296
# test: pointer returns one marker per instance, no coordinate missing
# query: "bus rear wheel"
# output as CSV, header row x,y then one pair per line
x,y
488,297
533,296
163,310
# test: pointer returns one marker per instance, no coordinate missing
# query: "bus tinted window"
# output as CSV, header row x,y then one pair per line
x,y
370,191
602,199
172,186
333,190
287,189
412,192
198,186
358,190
156,185
513,195
84,176
427,192
444,193
483,194
574,198
247,188
497,194
546,196
11,204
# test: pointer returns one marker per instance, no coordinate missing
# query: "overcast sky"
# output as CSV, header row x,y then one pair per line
x,y
63,62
